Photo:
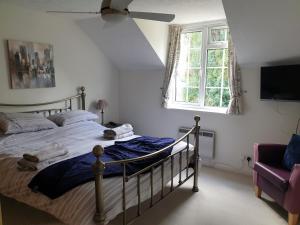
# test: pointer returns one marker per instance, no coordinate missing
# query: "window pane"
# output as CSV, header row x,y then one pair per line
x,y
194,78
218,35
181,94
195,58
225,98
213,77
226,57
188,70
215,57
212,97
225,82
196,39
181,78
193,95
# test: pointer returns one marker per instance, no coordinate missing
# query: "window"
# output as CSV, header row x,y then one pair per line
x,y
201,80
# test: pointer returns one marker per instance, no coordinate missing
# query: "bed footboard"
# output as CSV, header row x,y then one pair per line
x,y
99,167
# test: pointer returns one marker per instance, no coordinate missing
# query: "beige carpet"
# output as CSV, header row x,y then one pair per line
x,y
224,199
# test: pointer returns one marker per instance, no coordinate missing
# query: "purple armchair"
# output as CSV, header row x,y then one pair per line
x,y
280,184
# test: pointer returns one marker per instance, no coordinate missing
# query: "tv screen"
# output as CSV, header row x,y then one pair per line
x,y
280,83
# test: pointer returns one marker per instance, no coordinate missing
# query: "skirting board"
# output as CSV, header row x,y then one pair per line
x,y
244,169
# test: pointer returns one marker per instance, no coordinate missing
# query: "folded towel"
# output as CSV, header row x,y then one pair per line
x,y
49,152
125,128
25,165
125,135
114,137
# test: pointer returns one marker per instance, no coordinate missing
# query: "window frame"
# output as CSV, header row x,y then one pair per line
x,y
205,29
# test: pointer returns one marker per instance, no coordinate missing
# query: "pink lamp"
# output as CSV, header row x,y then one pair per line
x,y
101,105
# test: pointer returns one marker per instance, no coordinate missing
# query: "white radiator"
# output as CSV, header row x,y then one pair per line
x,y
206,142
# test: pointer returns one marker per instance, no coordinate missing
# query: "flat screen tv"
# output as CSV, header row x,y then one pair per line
x,y
280,83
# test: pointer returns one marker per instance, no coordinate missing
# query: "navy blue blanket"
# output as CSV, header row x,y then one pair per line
x,y
61,177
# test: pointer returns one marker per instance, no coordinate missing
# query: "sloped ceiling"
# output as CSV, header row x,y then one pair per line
x,y
125,44
265,31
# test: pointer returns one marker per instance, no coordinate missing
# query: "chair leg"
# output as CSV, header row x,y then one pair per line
x,y
258,191
293,219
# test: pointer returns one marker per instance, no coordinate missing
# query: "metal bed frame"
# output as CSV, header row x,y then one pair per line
x,y
192,161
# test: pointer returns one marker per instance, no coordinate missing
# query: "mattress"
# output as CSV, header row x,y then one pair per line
x,y
76,207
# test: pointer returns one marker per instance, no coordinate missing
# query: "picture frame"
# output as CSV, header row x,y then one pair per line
x,y
31,64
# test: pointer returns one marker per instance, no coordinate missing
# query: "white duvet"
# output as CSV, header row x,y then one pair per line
x,y
76,207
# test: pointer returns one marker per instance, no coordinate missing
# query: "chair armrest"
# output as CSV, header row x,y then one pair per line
x,y
271,154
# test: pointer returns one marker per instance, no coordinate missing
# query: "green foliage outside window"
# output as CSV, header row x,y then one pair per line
x,y
215,57
194,77
195,58
226,98
196,39
193,95
213,77
217,93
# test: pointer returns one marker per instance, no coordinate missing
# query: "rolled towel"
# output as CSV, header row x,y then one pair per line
x,y
125,128
25,165
125,135
50,152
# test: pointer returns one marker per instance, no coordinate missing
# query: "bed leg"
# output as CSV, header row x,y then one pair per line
x,y
196,154
99,167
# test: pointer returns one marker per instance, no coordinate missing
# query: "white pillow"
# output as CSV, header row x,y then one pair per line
x,y
13,123
66,118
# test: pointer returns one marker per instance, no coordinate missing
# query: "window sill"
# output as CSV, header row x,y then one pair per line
x,y
197,108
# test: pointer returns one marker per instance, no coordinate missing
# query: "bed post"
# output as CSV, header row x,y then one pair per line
x,y
99,167
196,154
83,95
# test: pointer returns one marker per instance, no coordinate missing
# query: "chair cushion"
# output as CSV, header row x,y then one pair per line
x,y
276,175
292,153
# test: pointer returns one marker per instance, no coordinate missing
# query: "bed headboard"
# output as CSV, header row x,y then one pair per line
x,y
67,102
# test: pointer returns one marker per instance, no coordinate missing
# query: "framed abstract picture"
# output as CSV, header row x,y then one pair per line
x,y
31,65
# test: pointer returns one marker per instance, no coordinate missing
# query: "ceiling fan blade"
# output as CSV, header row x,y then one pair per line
x,y
120,4
73,12
152,16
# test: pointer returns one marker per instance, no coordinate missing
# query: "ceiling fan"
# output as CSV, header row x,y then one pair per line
x,y
113,8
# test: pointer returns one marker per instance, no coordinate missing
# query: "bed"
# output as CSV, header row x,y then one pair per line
x,y
100,201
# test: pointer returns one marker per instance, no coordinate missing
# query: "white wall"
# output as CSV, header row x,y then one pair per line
x,y
77,60
263,121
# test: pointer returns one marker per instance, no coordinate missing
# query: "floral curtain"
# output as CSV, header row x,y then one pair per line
x,y
235,104
172,60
